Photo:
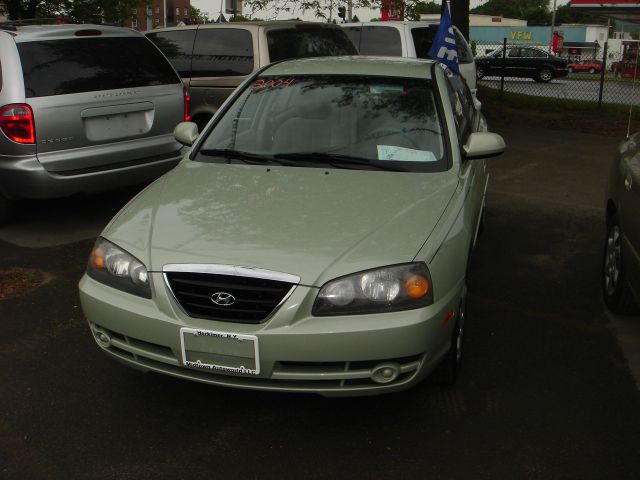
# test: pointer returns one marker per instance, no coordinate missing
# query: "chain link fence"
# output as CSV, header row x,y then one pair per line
x,y
591,73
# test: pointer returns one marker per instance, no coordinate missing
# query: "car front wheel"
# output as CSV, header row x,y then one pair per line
x,y
592,70
545,75
617,293
479,72
447,372
570,70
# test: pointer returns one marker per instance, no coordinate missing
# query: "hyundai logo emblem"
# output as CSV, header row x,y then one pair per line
x,y
223,299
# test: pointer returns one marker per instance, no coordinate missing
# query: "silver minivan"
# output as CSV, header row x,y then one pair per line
x,y
83,108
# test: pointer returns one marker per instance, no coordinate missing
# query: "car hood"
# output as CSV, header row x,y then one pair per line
x,y
315,223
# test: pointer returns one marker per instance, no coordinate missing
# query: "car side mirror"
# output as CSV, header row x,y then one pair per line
x,y
186,133
484,145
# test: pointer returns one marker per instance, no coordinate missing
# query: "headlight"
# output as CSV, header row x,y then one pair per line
x,y
388,289
113,266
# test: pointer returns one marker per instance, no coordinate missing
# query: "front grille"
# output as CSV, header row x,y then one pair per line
x,y
255,298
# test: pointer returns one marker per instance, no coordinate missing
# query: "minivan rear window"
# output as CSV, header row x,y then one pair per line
x,y
60,67
222,52
382,41
308,42
177,46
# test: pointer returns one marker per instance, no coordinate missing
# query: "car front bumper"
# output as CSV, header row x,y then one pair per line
x,y
331,356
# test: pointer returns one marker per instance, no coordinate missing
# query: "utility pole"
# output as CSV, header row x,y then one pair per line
x,y
164,12
553,24
349,10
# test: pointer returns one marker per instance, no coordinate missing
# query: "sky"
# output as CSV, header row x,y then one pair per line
x,y
212,8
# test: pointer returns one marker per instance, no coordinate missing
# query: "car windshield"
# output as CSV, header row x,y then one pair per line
x,y
357,122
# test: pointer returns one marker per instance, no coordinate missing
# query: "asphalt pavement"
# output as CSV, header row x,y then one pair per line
x,y
547,389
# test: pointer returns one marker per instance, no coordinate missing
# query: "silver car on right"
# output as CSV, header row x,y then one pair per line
x,y
621,265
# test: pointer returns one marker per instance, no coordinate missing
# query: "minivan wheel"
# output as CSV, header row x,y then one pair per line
x,y
545,75
447,372
616,291
6,207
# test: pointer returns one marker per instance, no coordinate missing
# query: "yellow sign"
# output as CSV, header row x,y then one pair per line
x,y
521,36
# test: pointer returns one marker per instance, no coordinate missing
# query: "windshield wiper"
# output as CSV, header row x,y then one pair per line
x,y
246,157
337,160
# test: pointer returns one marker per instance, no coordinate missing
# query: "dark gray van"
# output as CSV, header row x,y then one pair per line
x,y
213,59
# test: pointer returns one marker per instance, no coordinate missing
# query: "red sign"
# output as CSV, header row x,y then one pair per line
x,y
392,10
557,43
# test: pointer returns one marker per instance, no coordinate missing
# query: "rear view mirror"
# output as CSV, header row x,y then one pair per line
x,y
186,133
484,145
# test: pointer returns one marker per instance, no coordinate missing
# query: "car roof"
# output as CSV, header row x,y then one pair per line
x,y
50,32
421,23
354,65
251,25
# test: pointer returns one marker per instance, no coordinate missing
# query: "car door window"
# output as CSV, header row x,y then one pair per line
x,y
177,46
462,106
532,53
513,53
383,41
222,52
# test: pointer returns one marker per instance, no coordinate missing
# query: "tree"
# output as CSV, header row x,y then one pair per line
x,y
513,8
200,16
110,11
414,11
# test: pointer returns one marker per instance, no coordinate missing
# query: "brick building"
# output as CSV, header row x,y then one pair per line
x,y
151,16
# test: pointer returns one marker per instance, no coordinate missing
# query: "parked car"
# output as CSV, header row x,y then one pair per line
x,y
621,265
213,59
525,62
83,108
316,238
410,40
591,66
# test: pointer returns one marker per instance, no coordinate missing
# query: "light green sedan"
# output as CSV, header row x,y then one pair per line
x,y
316,238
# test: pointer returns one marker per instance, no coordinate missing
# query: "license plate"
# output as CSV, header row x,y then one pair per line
x,y
220,351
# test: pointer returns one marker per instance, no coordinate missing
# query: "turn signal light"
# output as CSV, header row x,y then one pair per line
x,y
16,122
97,258
416,286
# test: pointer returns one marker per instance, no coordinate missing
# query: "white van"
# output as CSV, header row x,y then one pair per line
x,y
408,39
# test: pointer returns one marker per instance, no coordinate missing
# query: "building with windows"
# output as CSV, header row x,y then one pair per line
x,y
152,15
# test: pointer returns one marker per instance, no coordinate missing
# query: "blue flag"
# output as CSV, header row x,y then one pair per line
x,y
444,47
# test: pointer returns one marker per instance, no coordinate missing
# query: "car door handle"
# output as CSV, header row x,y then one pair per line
x,y
628,182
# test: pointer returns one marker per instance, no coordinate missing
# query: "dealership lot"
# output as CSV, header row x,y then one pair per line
x,y
546,390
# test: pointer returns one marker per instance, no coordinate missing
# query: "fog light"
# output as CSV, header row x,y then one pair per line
x,y
385,373
102,338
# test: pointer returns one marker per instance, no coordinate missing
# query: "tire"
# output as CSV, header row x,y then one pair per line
x,y
592,70
617,293
545,75
6,208
570,70
449,369
479,72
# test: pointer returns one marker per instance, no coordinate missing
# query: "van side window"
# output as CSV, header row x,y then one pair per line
x,y
177,47
423,39
383,41
222,52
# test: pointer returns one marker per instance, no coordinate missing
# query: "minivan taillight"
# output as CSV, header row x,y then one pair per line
x,y
187,104
16,122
